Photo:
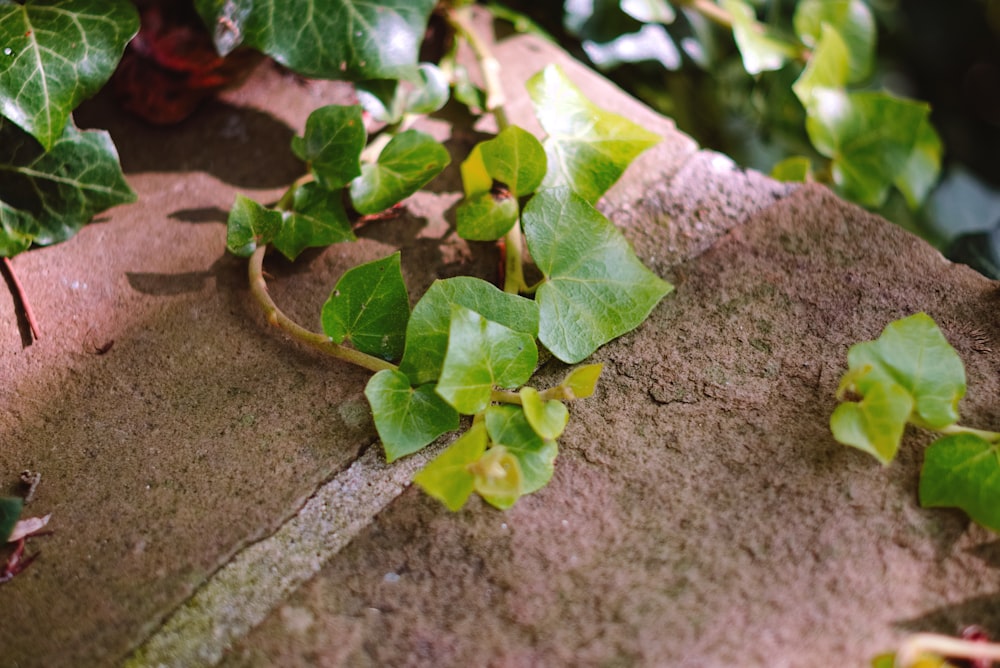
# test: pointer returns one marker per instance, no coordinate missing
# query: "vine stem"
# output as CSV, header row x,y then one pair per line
x,y
321,342
22,299
919,644
990,436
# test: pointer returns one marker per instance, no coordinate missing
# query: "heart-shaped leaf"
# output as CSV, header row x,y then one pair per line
x,y
334,138
547,417
587,148
407,162
497,477
963,471
875,424
54,54
369,307
250,225
485,216
448,477
536,456
827,68
851,19
595,288
48,196
316,218
342,39
407,418
482,354
515,158
922,169
427,331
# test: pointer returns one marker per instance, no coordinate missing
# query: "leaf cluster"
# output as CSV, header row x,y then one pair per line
x,y
912,375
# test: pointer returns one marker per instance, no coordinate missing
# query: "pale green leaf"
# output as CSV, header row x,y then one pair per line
x,y
497,477
448,477
875,424
508,426
827,68
851,19
761,48
796,168
581,382
407,418
547,417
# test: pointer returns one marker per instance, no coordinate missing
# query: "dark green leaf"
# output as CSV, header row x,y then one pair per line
x,y
250,225
760,46
595,288
536,456
516,159
485,216
876,423
547,417
447,477
48,196
427,331
55,54
922,169
851,19
963,471
408,161
334,138
333,39
587,148
407,418
482,354
10,512
369,307
316,218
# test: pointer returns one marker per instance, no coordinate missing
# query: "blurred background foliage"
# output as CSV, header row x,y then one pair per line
x,y
736,95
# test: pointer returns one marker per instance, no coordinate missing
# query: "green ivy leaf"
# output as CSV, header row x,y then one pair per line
x,y
419,90
869,135
485,216
316,218
922,169
482,354
497,477
427,331
408,161
250,225
55,54
447,477
334,39
536,456
334,138
796,168
407,418
582,381
475,177
913,353
876,423
369,307
515,158
48,196
595,288
649,11
827,68
761,47
587,148
10,512
851,19
547,417
963,471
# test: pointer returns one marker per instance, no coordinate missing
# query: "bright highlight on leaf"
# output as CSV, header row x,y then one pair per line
x,y
760,47
407,418
408,161
250,225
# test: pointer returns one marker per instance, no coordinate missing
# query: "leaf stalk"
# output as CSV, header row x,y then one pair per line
x,y
920,644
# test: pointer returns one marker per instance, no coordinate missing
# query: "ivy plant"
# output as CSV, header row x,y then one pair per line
x,y
912,376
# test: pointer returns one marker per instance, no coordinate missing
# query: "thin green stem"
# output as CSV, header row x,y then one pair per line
x,y
553,393
321,342
461,20
920,644
513,280
989,436
710,11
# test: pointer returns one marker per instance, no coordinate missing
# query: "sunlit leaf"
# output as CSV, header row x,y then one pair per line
x,y
407,418
369,307
547,417
648,11
581,381
332,144
588,148
963,471
250,225
475,177
827,68
796,168
851,19
595,288
427,331
54,54
448,477
316,218
408,161
497,477
922,169
876,423
343,39
760,46
485,216
482,354
515,158
536,456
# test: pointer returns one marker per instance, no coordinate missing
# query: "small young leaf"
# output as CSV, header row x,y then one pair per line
x,y
581,381
482,354
760,47
427,331
447,477
382,98
913,353
408,161
316,218
851,19
587,148
827,68
430,89
342,39
10,511
369,307
249,226
963,471
48,196
595,288
508,426
407,418
57,54
334,138
796,168
497,477
515,158
547,418
475,177
485,217
922,169
876,423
